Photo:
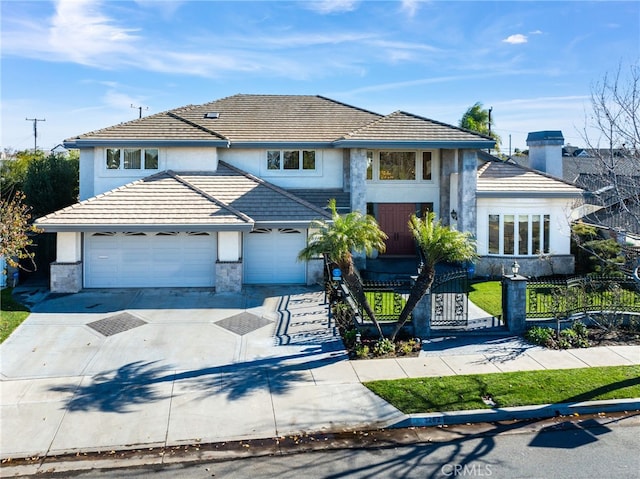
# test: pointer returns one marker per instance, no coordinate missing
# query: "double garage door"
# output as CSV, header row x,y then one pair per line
x,y
125,260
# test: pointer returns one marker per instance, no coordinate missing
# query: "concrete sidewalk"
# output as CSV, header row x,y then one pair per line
x,y
123,369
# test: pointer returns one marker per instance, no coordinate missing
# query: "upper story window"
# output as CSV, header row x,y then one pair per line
x,y
399,166
291,160
132,159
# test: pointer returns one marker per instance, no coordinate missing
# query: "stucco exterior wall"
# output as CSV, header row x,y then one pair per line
x,y
397,191
328,172
559,210
169,158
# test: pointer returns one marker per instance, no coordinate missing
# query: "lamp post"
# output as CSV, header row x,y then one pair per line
x,y
515,267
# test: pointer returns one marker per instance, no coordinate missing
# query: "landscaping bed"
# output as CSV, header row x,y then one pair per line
x,y
581,336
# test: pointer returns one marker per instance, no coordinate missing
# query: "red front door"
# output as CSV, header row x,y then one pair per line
x,y
393,219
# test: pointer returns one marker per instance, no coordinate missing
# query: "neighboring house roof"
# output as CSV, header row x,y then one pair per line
x,y
227,199
616,217
263,120
497,178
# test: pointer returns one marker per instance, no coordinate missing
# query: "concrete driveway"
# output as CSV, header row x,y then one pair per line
x,y
114,369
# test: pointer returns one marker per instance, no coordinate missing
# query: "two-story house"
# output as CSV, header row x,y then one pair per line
x,y
222,194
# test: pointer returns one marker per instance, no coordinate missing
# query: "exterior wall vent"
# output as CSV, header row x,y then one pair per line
x,y
212,115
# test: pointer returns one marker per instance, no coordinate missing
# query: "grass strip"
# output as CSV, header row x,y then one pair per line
x,y
12,313
454,393
488,296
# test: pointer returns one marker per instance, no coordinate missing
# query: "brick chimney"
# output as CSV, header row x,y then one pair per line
x,y
545,151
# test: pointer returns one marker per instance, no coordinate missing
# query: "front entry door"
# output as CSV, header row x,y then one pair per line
x,y
393,219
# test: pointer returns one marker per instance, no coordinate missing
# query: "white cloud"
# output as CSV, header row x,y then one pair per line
x,y
516,39
332,6
410,7
536,32
81,32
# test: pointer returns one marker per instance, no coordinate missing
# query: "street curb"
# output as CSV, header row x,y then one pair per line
x,y
520,412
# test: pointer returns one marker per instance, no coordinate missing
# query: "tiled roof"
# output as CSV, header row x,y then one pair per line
x,y
498,178
321,197
618,217
247,118
225,199
242,119
401,126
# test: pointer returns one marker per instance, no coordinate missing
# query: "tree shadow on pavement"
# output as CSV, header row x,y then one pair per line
x,y
139,382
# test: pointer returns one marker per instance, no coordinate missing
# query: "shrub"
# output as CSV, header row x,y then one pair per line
x,y
362,351
383,346
542,336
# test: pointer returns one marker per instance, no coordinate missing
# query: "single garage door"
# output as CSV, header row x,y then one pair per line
x,y
122,260
270,256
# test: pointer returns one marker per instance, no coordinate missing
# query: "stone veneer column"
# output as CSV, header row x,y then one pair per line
x,y
228,276
467,185
66,271
358,188
514,302
66,277
421,317
448,166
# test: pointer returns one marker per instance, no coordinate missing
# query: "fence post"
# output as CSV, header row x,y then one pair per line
x,y
421,317
514,302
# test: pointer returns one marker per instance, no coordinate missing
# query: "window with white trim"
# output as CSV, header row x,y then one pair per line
x,y
400,166
519,235
291,160
132,159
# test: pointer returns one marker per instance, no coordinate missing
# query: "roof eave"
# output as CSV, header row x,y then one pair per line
x,y
92,142
119,227
527,194
414,144
282,144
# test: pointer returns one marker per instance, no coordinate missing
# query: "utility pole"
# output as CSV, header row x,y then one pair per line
x,y
139,108
35,131
490,110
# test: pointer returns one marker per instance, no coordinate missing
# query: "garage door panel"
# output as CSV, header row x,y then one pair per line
x,y
150,260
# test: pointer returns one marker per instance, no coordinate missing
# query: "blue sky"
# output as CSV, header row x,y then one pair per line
x,y
81,64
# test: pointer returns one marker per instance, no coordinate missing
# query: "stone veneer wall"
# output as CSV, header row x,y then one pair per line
x,y
228,276
66,277
495,266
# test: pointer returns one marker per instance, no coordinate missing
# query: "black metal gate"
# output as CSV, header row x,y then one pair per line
x,y
450,300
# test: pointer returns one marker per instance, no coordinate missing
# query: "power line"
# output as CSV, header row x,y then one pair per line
x,y
35,131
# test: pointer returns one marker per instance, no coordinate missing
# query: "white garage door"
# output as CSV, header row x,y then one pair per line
x,y
122,260
270,256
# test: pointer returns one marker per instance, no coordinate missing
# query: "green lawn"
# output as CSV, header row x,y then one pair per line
x,y
12,314
488,296
451,393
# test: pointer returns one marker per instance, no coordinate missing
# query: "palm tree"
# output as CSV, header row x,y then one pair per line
x,y
479,120
338,239
438,244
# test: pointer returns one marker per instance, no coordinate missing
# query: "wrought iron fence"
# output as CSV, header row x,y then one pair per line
x,y
561,298
386,298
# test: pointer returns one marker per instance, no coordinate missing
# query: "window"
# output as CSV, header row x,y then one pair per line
x,y
281,160
494,234
132,159
369,165
426,165
522,235
397,165
400,165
